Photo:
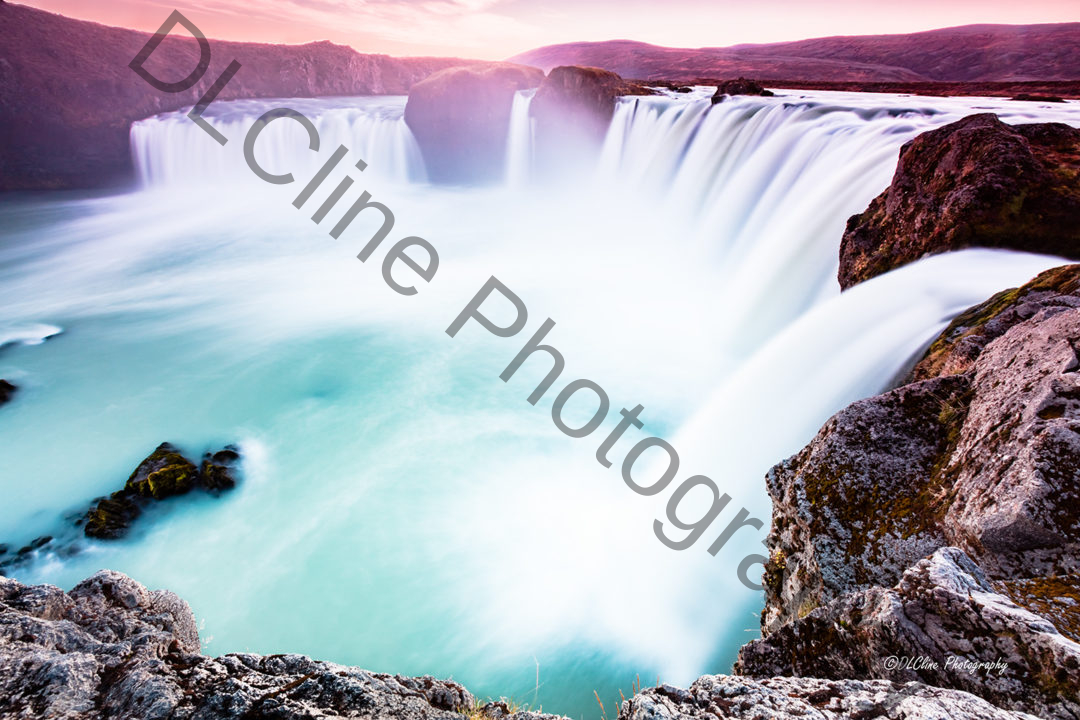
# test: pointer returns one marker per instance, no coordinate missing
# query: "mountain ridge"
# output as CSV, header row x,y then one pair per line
x,y
966,53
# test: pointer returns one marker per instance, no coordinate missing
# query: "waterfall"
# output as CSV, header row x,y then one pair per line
x,y
170,149
391,477
519,141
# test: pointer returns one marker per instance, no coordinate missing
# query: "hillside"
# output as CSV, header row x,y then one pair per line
x,y
972,53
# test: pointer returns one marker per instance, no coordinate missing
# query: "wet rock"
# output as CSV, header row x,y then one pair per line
x,y
461,117
163,474
976,182
952,627
113,649
6,391
218,470
716,697
741,86
111,517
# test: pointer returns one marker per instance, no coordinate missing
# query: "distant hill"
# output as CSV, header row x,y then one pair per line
x,y
67,96
972,53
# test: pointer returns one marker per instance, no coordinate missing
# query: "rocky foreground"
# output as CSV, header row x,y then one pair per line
x,y
113,649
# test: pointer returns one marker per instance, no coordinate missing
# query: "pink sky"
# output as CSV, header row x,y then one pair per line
x,y
496,29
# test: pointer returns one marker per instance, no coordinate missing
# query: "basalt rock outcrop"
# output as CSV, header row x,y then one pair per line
x,y
68,97
975,463
461,117
976,182
163,474
113,649
740,86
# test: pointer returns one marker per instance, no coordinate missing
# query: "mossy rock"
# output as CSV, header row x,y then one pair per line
x,y
163,474
111,518
959,345
217,471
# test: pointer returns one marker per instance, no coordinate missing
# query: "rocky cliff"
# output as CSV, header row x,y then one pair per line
x,y
110,648
975,463
68,97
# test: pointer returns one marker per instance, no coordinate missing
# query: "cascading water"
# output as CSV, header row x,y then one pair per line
x,y
519,143
403,509
171,150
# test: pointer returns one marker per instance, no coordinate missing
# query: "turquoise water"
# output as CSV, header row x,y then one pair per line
x,y
402,508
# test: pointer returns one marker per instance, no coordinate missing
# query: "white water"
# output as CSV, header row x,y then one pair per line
x,y
403,509
519,143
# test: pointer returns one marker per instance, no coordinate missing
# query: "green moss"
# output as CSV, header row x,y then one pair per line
x,y
1064,280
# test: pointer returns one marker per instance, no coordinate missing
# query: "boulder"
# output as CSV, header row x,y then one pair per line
x,y
572,112
6,391
461,119
164,473
741,86
218,470
976,182
943,624
113,649
720,697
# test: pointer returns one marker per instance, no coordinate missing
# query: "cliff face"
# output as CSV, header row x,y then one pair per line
x,y
976,461
68,97
974,183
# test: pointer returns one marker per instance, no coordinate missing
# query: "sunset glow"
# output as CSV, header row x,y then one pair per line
x,y
497,29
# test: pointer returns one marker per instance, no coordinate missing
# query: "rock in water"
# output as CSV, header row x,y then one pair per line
x,y
461,119
163,474
719,697
6,391
946,611
218,469
573,110
741,86
976,182
113,649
